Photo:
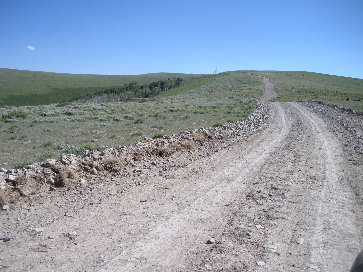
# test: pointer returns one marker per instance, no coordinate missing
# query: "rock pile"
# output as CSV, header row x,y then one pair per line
x,y
71,170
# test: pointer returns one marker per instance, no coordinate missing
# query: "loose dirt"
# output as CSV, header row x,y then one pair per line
x,y
287,198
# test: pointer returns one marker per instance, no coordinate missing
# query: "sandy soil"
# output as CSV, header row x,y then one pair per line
x,y
288,198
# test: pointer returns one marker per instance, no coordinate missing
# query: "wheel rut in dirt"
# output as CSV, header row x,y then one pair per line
x,y
223,178
281,200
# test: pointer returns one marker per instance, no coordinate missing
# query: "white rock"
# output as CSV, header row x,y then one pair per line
x,y
50,180
11,177
5,207
39,230
261,263
49,163
271,248
211,241
300,240
71,235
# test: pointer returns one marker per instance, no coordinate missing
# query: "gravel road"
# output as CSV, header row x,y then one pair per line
x,y
288,198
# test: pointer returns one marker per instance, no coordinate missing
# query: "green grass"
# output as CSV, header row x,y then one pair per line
x,y
20,87
158,135
55,129
14,114
35,133
302,86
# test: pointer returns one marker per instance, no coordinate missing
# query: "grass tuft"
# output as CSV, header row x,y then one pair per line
x,y
158,135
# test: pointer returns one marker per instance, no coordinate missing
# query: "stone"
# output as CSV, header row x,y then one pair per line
x,y
271,248
39,230
11,178
49,163
5,238
71,235
3,170
261,263
5,207
211,241
300,240
50,180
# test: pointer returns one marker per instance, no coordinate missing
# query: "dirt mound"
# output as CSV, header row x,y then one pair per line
x,y
72,170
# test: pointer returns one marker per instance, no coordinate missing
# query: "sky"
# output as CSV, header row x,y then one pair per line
x,y
136,37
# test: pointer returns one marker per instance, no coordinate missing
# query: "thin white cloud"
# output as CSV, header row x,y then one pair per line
x,y
30,47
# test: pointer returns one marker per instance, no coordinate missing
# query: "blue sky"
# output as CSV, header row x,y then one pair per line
x,y
134,37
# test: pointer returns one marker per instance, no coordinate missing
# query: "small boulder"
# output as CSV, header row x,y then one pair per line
x,y
38,230
11,178
300,240
49,163
211,241
71,235
5,238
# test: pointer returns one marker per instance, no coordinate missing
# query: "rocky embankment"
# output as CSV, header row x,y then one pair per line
x,y
128,161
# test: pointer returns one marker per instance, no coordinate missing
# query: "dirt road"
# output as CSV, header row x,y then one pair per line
x,y
289,198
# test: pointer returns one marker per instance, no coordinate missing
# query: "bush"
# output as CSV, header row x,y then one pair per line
x,y
48,145
159,135
138,133
45,156
63,104
88,146
13,128
21,164
218,124
14,114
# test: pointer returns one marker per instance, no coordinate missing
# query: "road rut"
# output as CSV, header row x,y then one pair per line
x,y
282,200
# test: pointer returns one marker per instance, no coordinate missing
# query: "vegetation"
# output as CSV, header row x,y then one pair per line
x,y
132,90
19,87
302,86
159,135
55,129
119,110
14,114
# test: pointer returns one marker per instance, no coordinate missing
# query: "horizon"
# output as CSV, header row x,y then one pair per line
x,y
265,70
123,38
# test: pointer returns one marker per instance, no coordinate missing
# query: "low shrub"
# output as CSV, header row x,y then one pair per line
x,y
159,135
13,128
218,124
21,164
14,114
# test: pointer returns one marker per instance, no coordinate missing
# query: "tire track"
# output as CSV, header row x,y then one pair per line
x,y
334,234
255,197
167,244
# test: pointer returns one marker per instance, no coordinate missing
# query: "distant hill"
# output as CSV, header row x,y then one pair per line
x,y
302,86
21,87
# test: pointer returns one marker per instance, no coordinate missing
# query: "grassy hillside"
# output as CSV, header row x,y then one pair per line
x,y
35,133
31,133
302,86
19,87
